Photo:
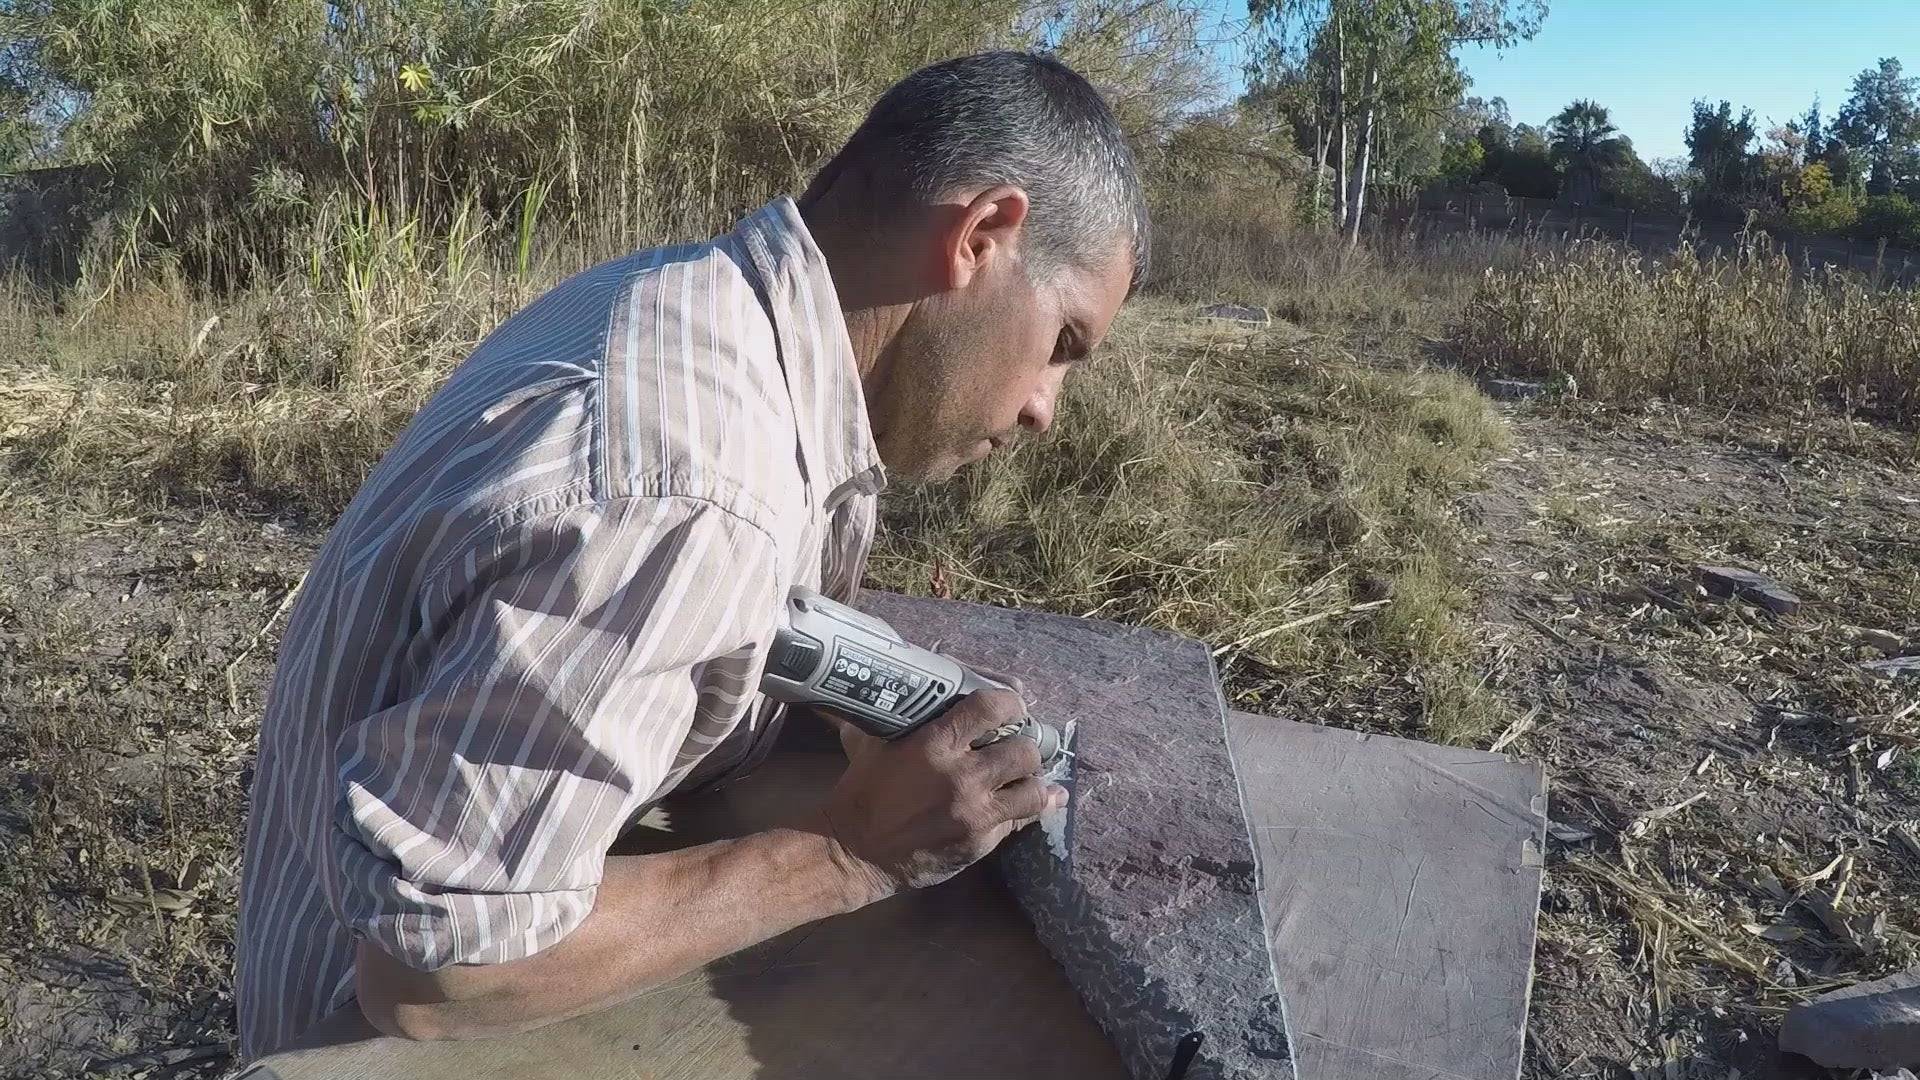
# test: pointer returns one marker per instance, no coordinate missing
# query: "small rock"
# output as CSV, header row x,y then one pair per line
x,y
1569,834
1749,586
1874,1025
1894,667
1884,640
1240,313
1512,389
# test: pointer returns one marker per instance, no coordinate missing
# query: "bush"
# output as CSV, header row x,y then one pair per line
x,y
1226,193
234,131
1835,215
1893,218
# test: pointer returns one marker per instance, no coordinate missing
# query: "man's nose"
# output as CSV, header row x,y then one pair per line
x,y
1037,417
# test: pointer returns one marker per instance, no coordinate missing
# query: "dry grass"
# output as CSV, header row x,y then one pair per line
x,y
1265,491
290,393
1403,283
1749,332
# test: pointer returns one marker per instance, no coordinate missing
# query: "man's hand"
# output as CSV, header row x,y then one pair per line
x,y
914,811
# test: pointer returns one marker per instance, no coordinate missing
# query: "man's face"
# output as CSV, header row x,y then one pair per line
x,y
974,367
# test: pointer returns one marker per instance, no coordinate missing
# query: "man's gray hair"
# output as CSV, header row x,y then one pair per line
x,y
1023,119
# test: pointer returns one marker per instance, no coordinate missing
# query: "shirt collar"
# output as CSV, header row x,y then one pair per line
x,y
816,352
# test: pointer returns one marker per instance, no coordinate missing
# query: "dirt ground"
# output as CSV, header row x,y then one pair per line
x,y
1728,786
134,651
1720,776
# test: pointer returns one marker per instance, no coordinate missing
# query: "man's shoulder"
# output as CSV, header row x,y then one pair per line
x,y
678,354
616,311
695,399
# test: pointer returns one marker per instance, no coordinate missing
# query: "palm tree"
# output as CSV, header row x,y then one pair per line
x,y
1585,140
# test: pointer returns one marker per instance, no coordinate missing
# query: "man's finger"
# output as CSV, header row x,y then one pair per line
x,y
1008,760
856,743
1024,800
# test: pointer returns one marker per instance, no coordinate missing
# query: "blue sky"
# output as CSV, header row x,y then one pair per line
x,y
1646,60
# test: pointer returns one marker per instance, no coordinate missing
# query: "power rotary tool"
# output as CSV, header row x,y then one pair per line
x,y
828,656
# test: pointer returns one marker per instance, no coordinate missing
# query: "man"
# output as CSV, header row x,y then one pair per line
x,y
549,606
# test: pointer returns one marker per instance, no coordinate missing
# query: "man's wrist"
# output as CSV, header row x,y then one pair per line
x,y
849,882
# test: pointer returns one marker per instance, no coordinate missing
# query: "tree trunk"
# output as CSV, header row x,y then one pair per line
x,y
1358,193
1339,122
1321,139
1340,174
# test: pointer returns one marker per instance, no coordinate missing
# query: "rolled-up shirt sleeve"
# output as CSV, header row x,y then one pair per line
x,y
562,672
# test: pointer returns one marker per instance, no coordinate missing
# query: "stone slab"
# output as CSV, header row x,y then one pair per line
x,y
1756,589
944,982
1894,667
1513,389
1872,1025
1886,641
1401,888
1240,313
1154,914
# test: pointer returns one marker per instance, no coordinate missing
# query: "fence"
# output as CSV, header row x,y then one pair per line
x,y
1653,233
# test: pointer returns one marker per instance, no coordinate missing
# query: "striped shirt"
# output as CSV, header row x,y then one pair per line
x,y
548,607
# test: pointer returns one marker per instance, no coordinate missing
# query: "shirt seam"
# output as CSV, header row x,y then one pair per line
x,y
598,469
502,522
597,411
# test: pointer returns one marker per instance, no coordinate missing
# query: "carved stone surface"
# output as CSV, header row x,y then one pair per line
x,y
1154,916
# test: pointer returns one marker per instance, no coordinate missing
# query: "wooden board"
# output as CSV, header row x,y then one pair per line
x,y
1400,884
948,981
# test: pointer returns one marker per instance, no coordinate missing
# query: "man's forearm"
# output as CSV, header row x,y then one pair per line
x,y
654,917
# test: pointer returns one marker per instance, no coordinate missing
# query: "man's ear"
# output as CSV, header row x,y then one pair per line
x,y
987,227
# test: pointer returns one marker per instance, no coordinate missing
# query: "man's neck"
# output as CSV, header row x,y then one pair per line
x,y
871,329
863,279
